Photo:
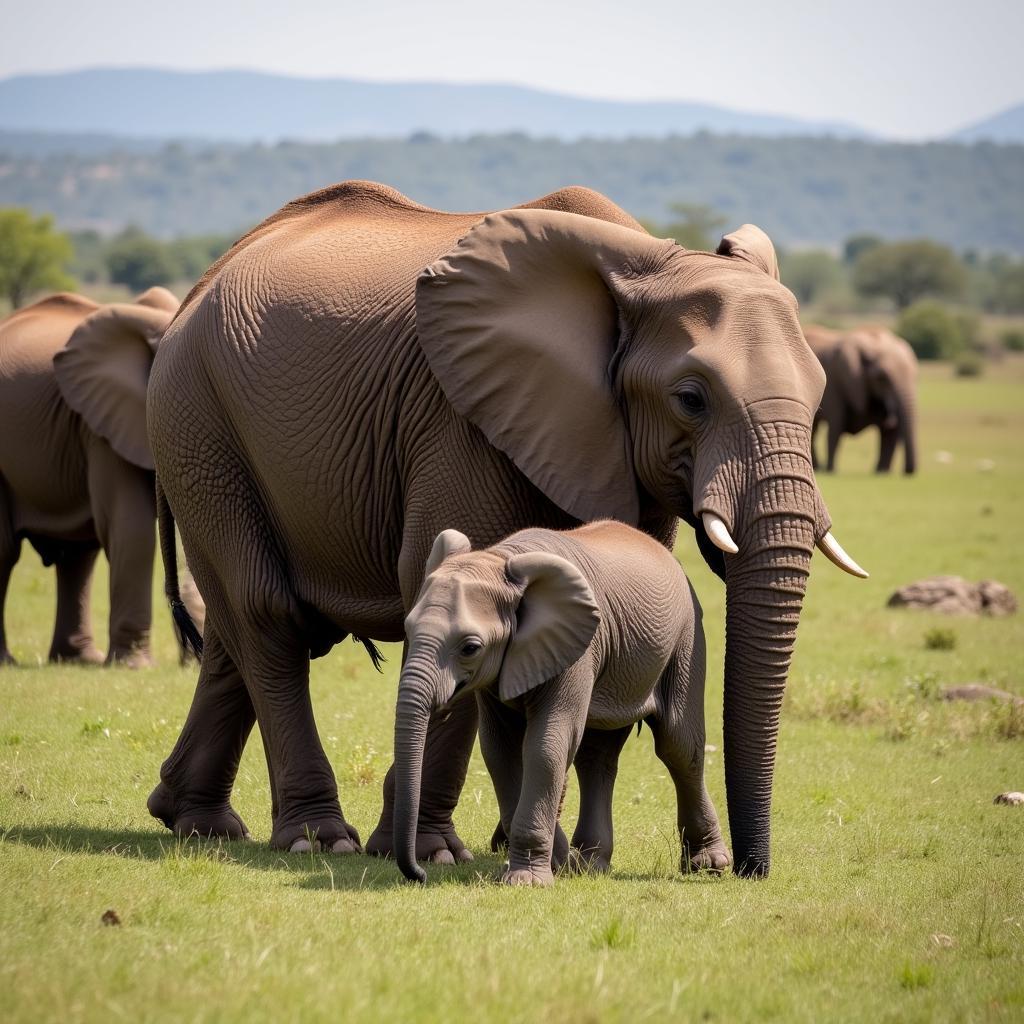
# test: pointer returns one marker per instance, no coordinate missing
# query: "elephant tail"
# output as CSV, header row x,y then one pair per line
x,y
189,638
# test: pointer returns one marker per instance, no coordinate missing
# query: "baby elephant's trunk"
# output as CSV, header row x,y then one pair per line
x,y
411,720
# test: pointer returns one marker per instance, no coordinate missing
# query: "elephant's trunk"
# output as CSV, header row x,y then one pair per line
x,y
765,584
411,719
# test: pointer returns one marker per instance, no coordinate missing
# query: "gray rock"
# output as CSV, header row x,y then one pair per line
x,y
953,595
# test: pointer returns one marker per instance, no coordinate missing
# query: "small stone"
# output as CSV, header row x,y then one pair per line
x,y
110,918
978,691
1010,799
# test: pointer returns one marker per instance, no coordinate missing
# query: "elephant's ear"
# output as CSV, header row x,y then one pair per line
x,y
519,324
750,243
158,298
103,371
446,543
849,371
555,622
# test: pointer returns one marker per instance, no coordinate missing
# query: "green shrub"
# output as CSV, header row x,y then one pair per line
x,y
1013,339
932,331
968,364
940,639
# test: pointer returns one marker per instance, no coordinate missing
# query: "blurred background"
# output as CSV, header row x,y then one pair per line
x,y
881,147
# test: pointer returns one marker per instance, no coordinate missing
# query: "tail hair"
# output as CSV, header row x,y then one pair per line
x,y
189,638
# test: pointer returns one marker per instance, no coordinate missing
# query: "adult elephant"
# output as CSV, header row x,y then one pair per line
x,y
870,381
361,372
76,473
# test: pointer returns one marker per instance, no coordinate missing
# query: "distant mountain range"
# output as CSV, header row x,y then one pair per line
x,y
248,106
1005,127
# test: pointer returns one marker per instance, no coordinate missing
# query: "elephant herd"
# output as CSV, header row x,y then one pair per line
x,y
352,419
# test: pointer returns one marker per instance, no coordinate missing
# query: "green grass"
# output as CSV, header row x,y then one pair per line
x,y
895,893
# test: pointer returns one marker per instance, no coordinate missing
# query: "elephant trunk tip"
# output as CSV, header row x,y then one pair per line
x,y
752,867
413,872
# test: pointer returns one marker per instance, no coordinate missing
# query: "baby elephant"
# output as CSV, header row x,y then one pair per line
x,y
567,640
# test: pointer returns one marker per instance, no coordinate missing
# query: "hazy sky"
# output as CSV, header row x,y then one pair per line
x,y
901,68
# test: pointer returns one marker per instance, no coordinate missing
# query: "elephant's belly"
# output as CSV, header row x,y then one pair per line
x,y
613,711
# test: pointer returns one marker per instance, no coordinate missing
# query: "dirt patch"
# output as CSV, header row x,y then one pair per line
x,y
953,595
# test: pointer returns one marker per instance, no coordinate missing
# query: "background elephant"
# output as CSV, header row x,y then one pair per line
x,y
870,381
566,640
323,406
76,474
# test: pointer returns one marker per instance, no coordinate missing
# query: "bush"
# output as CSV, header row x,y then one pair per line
x,y
1013,339
968,364
940,639
932,331
138,261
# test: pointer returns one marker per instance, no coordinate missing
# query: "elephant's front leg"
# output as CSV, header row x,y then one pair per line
x,y
445,763
555,722
10,548
124,511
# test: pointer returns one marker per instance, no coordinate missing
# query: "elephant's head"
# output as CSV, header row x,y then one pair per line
x,y
616,370
480,619
877,373
103,370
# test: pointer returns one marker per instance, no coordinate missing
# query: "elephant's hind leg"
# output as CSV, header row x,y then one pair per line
x,y
678,730
10,548
72,631
194,794
597,764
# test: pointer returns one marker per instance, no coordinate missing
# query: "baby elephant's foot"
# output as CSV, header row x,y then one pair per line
x,y
527,876
713,858
348,843
218,820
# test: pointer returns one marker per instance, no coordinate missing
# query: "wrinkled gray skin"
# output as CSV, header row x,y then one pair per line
x,y
359,373
76,473
871,381
566,640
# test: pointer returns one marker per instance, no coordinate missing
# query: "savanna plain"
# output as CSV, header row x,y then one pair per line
x,y
895,892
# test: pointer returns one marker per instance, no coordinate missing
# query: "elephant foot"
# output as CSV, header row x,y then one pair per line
x,y
539,876
433,845
6,658
348,843
713,859
560,852
76,656
132,657
589,860
207,822
316,834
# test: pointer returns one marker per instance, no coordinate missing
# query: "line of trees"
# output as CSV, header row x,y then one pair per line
x,y
937,294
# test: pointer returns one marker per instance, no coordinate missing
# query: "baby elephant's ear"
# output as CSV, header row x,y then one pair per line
x,y
555,622
447,542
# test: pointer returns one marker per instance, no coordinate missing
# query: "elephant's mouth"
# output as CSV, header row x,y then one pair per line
x,y
460,689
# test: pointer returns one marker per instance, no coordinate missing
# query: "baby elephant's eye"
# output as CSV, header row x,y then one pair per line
x,y
471,647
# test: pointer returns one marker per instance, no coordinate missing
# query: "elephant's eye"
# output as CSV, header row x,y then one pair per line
x,y
692,401
470,647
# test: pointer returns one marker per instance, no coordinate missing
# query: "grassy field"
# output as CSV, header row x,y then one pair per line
x,y
895,893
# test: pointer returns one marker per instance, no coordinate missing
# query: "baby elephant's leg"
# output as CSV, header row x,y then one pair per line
x,y
679,743
554,728
597,763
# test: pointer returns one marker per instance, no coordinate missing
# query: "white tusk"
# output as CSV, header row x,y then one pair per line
x,y
719,533
832,550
